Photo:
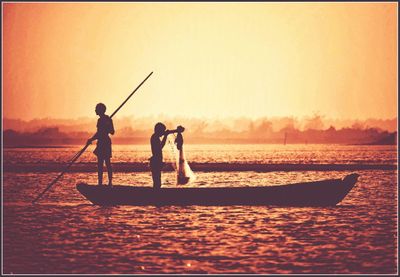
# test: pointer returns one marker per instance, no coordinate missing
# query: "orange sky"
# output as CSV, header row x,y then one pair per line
x,y
209,59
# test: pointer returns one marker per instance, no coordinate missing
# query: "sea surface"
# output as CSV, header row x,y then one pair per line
x,y
65,233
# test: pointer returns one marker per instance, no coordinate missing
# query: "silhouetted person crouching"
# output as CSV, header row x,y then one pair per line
x,y
103,149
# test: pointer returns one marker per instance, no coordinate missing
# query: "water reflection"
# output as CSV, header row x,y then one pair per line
x,y
64,233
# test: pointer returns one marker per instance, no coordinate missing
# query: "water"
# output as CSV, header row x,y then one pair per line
x,y
64,233
216,153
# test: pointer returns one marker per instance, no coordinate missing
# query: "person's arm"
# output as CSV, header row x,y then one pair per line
x,y
95,136
112,131
164,140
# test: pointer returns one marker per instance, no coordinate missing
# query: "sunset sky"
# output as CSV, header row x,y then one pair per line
x,y
209,59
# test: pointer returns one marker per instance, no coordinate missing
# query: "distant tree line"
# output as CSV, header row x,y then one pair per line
x,y
263,133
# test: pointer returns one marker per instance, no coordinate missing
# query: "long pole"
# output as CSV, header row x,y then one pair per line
x,y
77,155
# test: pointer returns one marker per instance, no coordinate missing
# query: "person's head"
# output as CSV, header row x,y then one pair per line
x,y
180,129
100,109
159,129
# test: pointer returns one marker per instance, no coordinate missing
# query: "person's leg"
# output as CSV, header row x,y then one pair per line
x,y
153,176
100,170
156,175
109,171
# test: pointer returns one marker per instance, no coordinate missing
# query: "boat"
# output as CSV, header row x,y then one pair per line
x,y
320,193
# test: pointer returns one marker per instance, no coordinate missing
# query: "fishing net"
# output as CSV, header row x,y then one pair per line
x,y
184,173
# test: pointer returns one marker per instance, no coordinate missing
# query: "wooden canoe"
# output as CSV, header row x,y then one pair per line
x,y
320,193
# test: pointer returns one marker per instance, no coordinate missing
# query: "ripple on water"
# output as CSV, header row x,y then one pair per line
x,y
64,233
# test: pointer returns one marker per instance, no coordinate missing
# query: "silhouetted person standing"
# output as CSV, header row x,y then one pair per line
x,y
103,149
156,161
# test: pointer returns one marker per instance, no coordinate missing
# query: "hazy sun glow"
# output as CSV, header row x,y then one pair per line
x,y
209,59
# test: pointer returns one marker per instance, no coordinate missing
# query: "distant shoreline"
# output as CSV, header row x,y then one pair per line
x,y
198,167
201,143
36,146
